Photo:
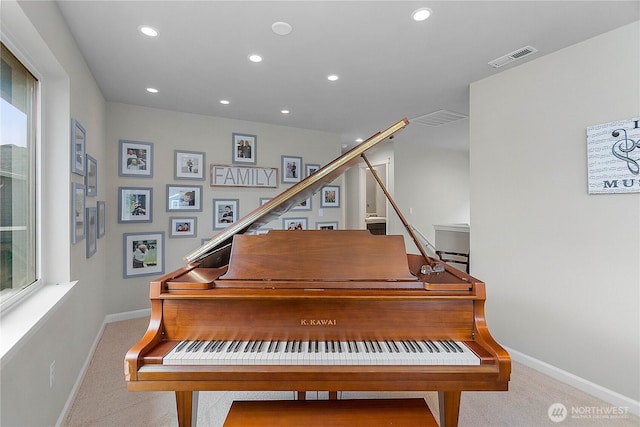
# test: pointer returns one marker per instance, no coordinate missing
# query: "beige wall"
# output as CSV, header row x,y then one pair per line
x,y
561,265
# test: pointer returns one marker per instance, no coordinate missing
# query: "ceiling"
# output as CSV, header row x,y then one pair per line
x,y
389,66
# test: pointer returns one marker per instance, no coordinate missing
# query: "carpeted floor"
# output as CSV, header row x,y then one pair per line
x,y
103,399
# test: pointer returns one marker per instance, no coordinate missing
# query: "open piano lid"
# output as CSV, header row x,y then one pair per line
x,y
293,196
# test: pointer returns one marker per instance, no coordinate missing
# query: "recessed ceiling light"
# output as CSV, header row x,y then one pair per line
x,y
255,58
148,31
152,90
224,102
332,77
421,14
281,28
285,111
359,140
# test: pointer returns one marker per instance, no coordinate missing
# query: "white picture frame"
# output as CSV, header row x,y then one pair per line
x,y
189,165
151,259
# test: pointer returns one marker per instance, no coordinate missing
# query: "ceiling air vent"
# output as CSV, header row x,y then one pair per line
x,y
438,118
513,56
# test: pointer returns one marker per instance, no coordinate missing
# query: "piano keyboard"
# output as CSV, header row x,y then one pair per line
x,y
374,352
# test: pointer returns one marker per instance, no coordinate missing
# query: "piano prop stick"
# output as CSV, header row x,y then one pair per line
x,y
340,310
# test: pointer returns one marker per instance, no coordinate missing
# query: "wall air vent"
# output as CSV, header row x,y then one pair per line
x,y
513,56
438,118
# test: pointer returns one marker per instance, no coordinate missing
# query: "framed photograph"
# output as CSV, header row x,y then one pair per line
x,y
78,212
101,207
244,148
189,165
183,226
294,223
291,169
330,196
92,231
330,225
143,254
184,198
135,158
91,177
135,204
305,205
310,169
78,147
225,212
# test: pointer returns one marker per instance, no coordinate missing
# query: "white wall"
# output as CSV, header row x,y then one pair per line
x,y
168,131
561,266
432,184
38,34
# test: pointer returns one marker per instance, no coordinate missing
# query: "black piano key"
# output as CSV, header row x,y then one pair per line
x,y
411,347
445,346
388,346
316,346
379,347
221,345
271,346
197,347
404,344
260,346
418,346
277,349
208,346
435,347
193,344
455,344
181,345
247,346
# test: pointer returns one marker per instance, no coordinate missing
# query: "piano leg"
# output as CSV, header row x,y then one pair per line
x,y
187,403
449,404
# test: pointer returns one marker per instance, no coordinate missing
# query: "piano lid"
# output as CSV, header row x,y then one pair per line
x,y
293,196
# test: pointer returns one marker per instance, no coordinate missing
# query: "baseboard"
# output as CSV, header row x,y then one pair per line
x,y
609,396
110,318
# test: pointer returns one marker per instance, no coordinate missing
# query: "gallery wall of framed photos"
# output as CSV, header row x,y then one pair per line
x,y
185,178
88,215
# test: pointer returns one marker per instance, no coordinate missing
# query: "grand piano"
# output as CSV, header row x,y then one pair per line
x,y
316,310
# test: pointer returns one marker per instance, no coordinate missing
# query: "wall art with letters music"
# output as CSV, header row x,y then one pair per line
x,y
613,156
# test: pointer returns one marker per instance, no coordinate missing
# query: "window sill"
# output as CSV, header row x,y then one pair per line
x,y
23,320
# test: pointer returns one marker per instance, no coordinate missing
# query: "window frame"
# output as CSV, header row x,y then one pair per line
x,y
17,295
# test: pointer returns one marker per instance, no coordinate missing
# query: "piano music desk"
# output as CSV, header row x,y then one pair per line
x,y
334,413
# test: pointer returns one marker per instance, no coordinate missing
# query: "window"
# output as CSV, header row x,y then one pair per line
x,y
18,88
